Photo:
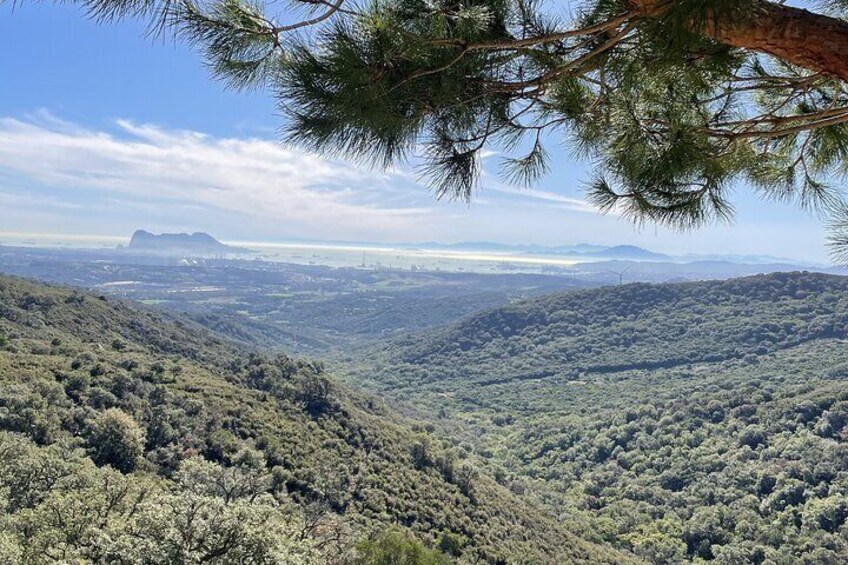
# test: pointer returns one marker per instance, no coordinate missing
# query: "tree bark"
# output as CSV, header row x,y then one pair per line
x,y
813,41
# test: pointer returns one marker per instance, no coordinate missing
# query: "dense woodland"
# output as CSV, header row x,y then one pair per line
x,y
696,423
126,437
636,326
693,423
690,423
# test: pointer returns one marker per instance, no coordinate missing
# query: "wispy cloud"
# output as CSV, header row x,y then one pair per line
x,y
566,202
61,176
250,177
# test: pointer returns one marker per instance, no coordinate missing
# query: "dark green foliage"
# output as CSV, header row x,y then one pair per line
x,y
637,326
282,427
685,423
395,547
116,440
451,544
314,392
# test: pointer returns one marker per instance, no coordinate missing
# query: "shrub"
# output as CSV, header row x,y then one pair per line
x,y
314,393
116,440
397,547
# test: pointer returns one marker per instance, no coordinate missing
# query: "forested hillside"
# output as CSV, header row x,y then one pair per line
x,y
701,422
636,326
129,438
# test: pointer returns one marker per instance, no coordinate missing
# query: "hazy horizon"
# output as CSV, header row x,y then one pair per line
x,y
465,249
159,145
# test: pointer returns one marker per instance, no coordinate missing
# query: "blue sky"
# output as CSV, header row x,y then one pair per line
x,y
104,130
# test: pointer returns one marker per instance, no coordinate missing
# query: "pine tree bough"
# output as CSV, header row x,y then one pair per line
x,y
800,37
677,101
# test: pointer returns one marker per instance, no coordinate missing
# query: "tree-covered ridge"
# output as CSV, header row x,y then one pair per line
x,y
629,327
290,463
695,423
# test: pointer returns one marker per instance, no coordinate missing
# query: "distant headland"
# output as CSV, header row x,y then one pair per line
x,y
198,243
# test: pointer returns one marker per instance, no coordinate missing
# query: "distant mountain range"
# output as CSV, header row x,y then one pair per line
x,y
629,252
595,252
198,243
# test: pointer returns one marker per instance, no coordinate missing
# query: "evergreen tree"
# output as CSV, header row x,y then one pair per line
x,y
117,440
396,547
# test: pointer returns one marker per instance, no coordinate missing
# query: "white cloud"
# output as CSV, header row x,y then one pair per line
x,y
250,177
568,203
59,176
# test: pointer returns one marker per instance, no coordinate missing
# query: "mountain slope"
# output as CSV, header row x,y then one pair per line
x,y
631,327
628,252
82,376
689,423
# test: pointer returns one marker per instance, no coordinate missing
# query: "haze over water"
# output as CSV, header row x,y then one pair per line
x,y
334,255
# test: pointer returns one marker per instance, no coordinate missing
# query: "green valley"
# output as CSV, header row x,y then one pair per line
x,y
678,423
131,438
700,422
492,282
